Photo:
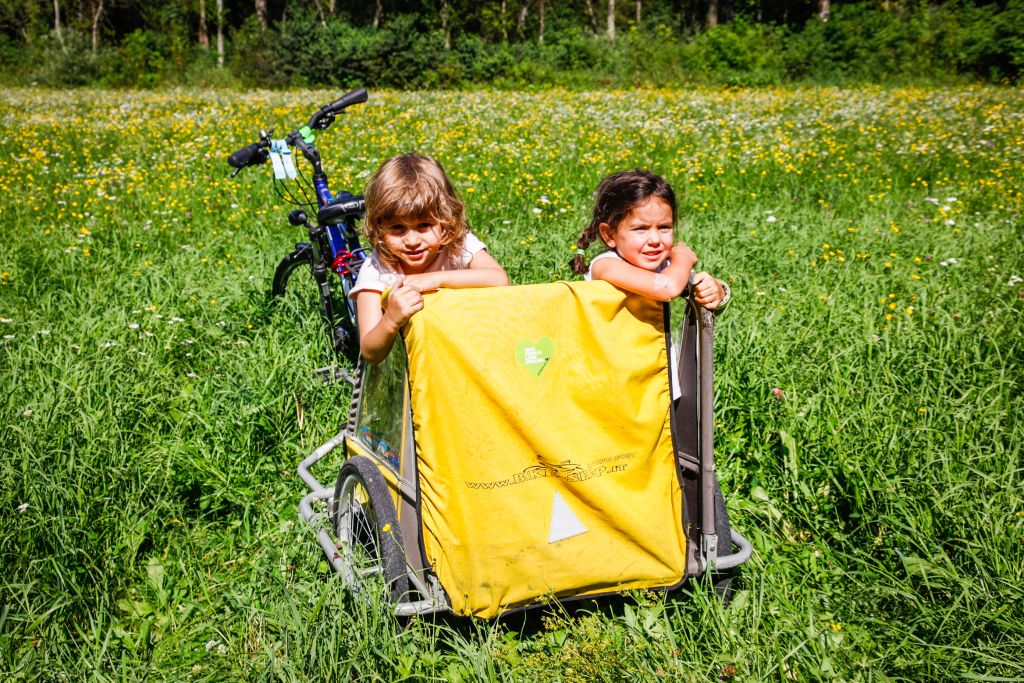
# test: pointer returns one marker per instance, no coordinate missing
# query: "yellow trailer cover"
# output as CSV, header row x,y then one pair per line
x,y
544,447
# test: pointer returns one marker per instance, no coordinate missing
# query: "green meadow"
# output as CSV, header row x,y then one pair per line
x,y
869,397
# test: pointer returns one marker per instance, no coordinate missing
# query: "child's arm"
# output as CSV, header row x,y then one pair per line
x,y
483,271
380,327
663,286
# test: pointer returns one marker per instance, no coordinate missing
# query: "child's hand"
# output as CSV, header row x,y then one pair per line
x,y
403,302
424,282
681,253
707,291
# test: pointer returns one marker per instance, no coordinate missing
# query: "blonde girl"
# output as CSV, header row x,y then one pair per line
x,y
416,224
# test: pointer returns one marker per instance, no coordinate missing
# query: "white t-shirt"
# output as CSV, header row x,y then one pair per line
x,y
376,275
611,253
673,351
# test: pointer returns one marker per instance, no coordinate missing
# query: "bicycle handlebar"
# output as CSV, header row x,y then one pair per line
x,y
258,152
357,96
324,117
250,155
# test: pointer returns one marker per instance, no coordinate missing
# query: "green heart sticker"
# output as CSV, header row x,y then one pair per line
x,y
534,356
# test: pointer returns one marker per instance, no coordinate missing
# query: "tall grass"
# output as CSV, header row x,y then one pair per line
x,y
868,379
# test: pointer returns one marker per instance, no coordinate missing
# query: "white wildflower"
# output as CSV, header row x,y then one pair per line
x,y
23,507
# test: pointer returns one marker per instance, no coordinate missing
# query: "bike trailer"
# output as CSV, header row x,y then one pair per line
x,y
521,446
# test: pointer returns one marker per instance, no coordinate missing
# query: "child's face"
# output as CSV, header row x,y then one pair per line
x,y
415,241
644,236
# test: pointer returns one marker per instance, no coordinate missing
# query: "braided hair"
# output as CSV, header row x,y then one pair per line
x,y
616,197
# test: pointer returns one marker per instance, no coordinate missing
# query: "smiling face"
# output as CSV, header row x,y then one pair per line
x,y
414,241
644,236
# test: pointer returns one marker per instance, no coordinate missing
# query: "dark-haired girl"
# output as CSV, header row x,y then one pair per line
x,y
635,215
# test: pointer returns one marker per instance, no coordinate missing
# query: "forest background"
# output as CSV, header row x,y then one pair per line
x,y
506,43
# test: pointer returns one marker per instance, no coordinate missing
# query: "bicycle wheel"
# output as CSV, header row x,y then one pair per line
x,y
298,291
367,528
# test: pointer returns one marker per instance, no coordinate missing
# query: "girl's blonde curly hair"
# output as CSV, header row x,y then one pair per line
x,y
412,186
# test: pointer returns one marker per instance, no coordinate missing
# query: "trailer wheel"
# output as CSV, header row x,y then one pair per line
x,y
722,528
723,579
366,524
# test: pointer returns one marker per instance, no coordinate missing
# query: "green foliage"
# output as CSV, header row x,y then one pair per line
x,y
920,42
910,42
71,63
737,53
140,60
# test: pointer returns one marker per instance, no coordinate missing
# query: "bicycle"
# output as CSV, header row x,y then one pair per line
x,y
333,245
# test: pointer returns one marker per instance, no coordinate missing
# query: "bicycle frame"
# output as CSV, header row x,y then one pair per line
x,y
337,245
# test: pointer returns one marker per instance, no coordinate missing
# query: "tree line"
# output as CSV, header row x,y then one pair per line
x,y
148,42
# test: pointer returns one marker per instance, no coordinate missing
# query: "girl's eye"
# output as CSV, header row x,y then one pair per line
x,y
424,227
396,229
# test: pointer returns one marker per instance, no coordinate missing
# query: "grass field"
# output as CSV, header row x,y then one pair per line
x,y
869,382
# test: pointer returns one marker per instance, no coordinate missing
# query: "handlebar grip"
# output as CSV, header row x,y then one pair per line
x,y
248,155
357,96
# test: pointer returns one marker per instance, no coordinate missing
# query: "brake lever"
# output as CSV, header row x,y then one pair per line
x,y
326,120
